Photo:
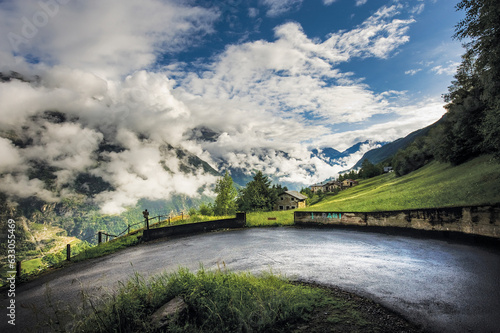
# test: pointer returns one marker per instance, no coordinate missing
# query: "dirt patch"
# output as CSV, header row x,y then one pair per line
x,y
349,312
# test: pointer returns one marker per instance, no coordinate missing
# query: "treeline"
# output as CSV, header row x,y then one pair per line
x,y
471,125
257,196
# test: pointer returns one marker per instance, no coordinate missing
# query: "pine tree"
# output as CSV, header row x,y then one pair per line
x,y
257,195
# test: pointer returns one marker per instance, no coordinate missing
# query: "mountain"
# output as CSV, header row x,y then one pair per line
x,y
335,157
388,150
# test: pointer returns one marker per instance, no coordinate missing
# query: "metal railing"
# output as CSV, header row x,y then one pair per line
x,y
168,218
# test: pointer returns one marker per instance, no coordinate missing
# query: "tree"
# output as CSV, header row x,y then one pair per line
x,y
257,195
369,170
225,203
481,27
206,210
274,193
462,138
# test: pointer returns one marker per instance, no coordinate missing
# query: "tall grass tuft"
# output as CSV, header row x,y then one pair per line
x,y
217,301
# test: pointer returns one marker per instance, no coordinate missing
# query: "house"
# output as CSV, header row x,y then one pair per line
x,y
349,183
290,200
331,186
387,169
316,188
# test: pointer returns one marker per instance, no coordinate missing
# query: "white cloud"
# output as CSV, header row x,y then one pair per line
x,y
253,12
278,7
281,96
409,118
11,159
139,172
138,115
108,38
377,37
449,69
20,185
293,78
413,71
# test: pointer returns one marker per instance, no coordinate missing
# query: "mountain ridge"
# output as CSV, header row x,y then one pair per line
x,y
388,150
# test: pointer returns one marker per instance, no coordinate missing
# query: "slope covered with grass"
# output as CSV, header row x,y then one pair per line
x,y
435,185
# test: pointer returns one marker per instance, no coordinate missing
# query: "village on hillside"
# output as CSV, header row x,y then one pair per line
x,y
293,199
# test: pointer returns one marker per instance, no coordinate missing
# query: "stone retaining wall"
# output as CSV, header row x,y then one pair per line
x,y
474,220
184,229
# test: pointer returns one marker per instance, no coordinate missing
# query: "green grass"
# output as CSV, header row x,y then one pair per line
x,y
109,247
190,219
476,182
32,266
218,301
267,219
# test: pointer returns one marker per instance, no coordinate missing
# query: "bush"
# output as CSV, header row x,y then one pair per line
x,y
206,210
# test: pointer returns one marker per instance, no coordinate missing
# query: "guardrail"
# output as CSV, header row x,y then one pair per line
x,y
238,222
108,236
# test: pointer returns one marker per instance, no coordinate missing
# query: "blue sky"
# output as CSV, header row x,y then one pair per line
x,y
268,77
410,71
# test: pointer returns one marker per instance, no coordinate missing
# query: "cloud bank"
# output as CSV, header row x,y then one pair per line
x,y
93,97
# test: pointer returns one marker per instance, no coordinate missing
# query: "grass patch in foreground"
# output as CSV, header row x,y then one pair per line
x,y
222,301
216,302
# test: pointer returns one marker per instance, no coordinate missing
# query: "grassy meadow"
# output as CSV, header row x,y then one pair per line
x,y
434,185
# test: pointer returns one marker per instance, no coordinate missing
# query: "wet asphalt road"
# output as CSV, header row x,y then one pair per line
x,y
445,287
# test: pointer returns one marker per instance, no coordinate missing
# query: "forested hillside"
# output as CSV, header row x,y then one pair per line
x,y
471,125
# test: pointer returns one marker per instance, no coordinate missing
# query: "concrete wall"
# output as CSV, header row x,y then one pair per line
x,y
184,229
475,220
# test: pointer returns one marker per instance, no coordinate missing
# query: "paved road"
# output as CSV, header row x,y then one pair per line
x,y
445,287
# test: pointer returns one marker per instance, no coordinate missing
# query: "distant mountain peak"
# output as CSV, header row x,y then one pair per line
x,y
334,157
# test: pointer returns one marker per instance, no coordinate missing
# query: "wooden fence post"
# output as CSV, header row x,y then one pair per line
x,y
68,252
18,269
99,237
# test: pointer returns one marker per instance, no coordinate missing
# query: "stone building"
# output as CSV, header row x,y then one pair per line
x,y
329,186
349,183
316,188
290,200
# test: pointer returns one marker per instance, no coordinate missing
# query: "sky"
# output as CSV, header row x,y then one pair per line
x,y
271,79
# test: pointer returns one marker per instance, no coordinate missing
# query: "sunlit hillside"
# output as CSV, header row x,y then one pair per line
x,y
435,185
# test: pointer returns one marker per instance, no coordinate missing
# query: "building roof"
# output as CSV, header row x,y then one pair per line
x,y
296,195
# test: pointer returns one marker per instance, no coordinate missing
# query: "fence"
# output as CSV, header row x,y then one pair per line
x,y
101,234
238,222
